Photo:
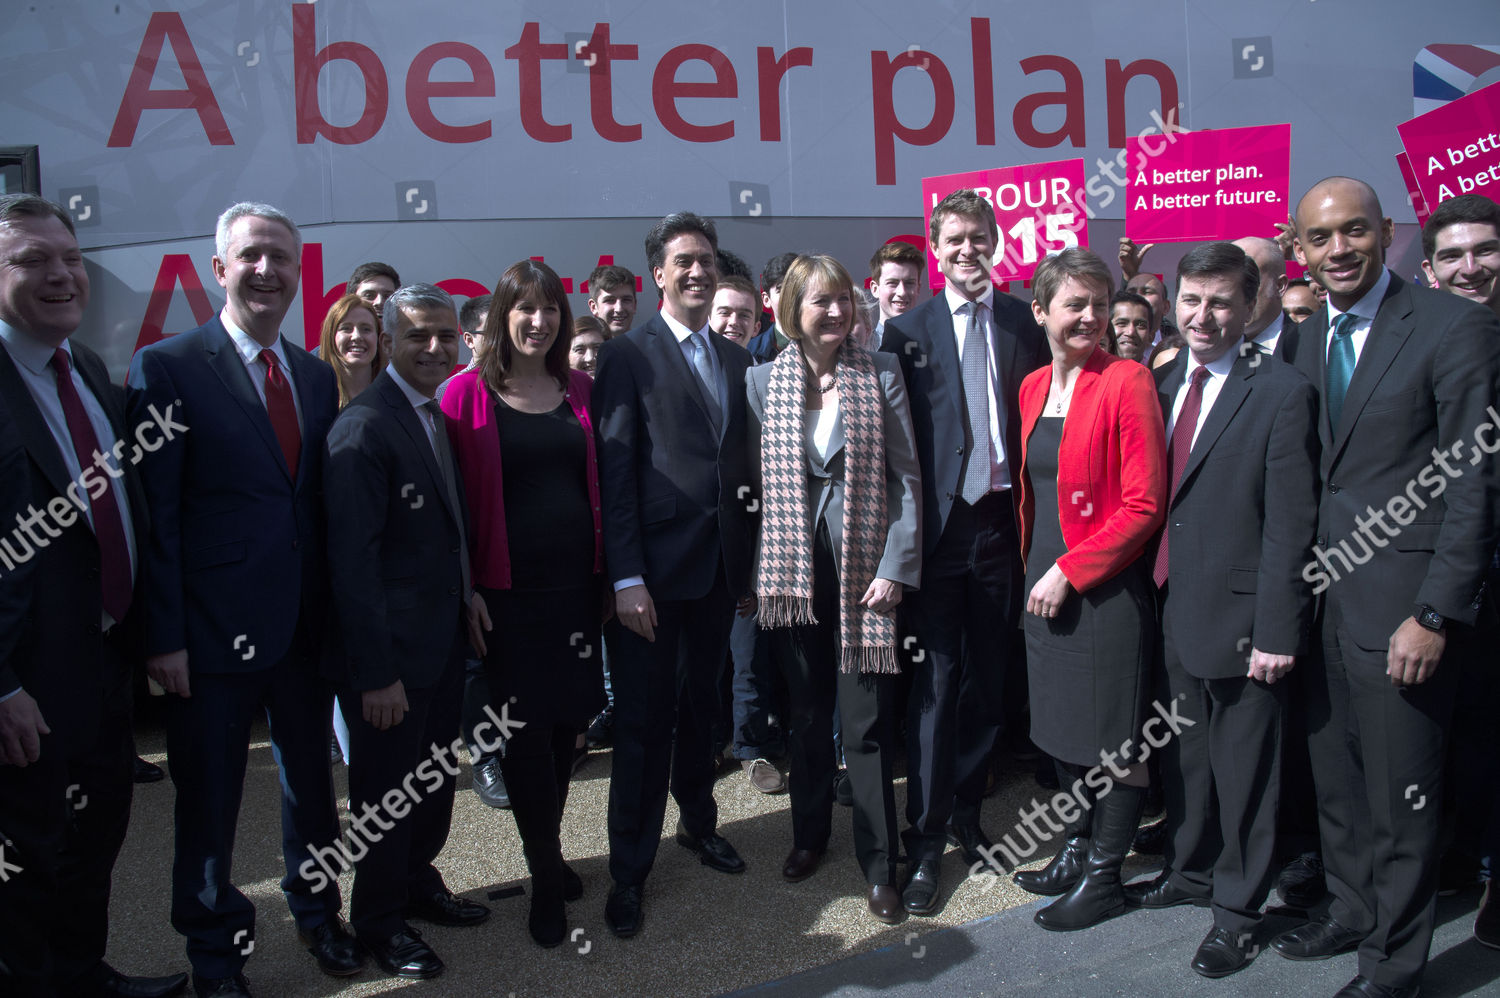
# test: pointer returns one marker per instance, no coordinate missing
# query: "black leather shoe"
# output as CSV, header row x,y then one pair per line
x,y
1161,893
490,785
1301,883
1316,940
920,896
142,771
972,842
885,903
1363,987
623,910
1060,875
800,864
334,948
714,851
405,955
1223,952
117,985
221,987
443,908
572,884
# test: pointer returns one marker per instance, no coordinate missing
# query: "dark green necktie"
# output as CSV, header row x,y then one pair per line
x,y
1340,365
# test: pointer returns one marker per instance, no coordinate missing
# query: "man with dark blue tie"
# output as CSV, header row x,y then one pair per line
x,y
237,594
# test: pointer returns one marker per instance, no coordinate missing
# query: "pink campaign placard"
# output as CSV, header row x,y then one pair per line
x,y
1409,176
1220,184
1455,149
1039,208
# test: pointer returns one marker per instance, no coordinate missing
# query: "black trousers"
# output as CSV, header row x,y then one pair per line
x,y
62,822
809,656
1220,778
964,620
537,765
1377,753
666,698
407,786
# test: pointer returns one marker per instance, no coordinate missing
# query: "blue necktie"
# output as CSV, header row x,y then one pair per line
x,y
1340,366
703,364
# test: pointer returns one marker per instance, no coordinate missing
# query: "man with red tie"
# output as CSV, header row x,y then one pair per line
x,y
73,517
237,592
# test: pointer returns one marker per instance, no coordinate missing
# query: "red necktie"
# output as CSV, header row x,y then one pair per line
x,y
283,411
109,526
1182,445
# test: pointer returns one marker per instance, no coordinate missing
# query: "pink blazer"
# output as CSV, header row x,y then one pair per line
x,y
476,447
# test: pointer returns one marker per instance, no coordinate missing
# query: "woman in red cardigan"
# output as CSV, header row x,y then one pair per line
x,y
1093,492
524,444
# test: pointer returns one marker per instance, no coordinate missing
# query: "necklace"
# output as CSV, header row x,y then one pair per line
x,y
1059,402
833,379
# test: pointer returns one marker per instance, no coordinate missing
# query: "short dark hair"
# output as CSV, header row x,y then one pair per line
x,y
670,227
33,206
473,309
734,282
413,296
608,277
523,278
374,268
896,251
1474,208
1221,258
775,270
732,266
1123,297
966,202
1080,264
586,323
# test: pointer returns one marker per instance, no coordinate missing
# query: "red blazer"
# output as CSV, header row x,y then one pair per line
x,y
1112,467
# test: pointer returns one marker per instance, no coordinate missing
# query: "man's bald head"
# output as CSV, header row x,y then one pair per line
x,y
1271,263
1342,238
1340,187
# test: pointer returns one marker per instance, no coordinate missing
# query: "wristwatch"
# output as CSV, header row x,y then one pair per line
x,y
1430,618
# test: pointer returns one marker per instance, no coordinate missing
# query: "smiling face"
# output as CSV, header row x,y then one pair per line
x,y
43,286
259,274
1466,262
734,315
1211,313
583,352
687,277
1132,325
1074,319
965,247
424,347
354,338
375,290
1342,238
615,307
1298,302
532,324
896,288
825,319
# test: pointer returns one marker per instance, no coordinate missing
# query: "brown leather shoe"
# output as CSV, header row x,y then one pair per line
x,y
800,864
885,903
764,776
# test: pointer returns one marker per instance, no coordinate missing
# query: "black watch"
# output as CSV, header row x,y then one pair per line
x,y
1430,618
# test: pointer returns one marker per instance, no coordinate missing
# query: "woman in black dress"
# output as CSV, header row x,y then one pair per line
x,y
525,446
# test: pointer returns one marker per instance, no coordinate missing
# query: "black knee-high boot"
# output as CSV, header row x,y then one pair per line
x,y
1059,876
533,795
1098,894
563,743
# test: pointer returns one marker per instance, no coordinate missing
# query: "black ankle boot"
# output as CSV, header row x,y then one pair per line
x,y
548,919
1059,876
1098,894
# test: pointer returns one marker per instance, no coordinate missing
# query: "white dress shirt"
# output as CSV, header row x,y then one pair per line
x,y
1217,372
1364,316
1269,336
999,465
249,352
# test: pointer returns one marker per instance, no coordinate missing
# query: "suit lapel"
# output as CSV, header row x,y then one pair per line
x,y
407,418
33,428
1232,395
942,352
669,356
301,364
1171,383
94,375
1388,334
224,359
1312,360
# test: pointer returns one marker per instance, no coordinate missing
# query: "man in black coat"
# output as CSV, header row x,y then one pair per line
x,y
1407,526
679,522
1236,612
399,572
68,618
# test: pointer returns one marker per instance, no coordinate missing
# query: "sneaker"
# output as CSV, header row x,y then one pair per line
x,y
1487,925
1301,883
601,731
490,785
843,791
763,776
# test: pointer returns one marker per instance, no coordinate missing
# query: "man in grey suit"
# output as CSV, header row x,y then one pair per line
x,y
1236,611
1409,379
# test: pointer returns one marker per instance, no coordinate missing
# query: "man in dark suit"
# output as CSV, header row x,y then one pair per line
x,y
674,472
237,591
1236,611
1409,379
400,578
69,484
966,416
1268,329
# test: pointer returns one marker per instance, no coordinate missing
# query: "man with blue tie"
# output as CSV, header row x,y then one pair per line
x,y
674,474
68,619
237,593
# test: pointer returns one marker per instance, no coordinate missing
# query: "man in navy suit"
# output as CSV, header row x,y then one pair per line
x,y
1269,331
237,593
75,521
1407,527
964,614
398,563
674,473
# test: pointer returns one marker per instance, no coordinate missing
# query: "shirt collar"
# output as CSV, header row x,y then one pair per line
x,y
247,348
1218,369
416,398
957,301
1367,306
1270,332
679,330
29,352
